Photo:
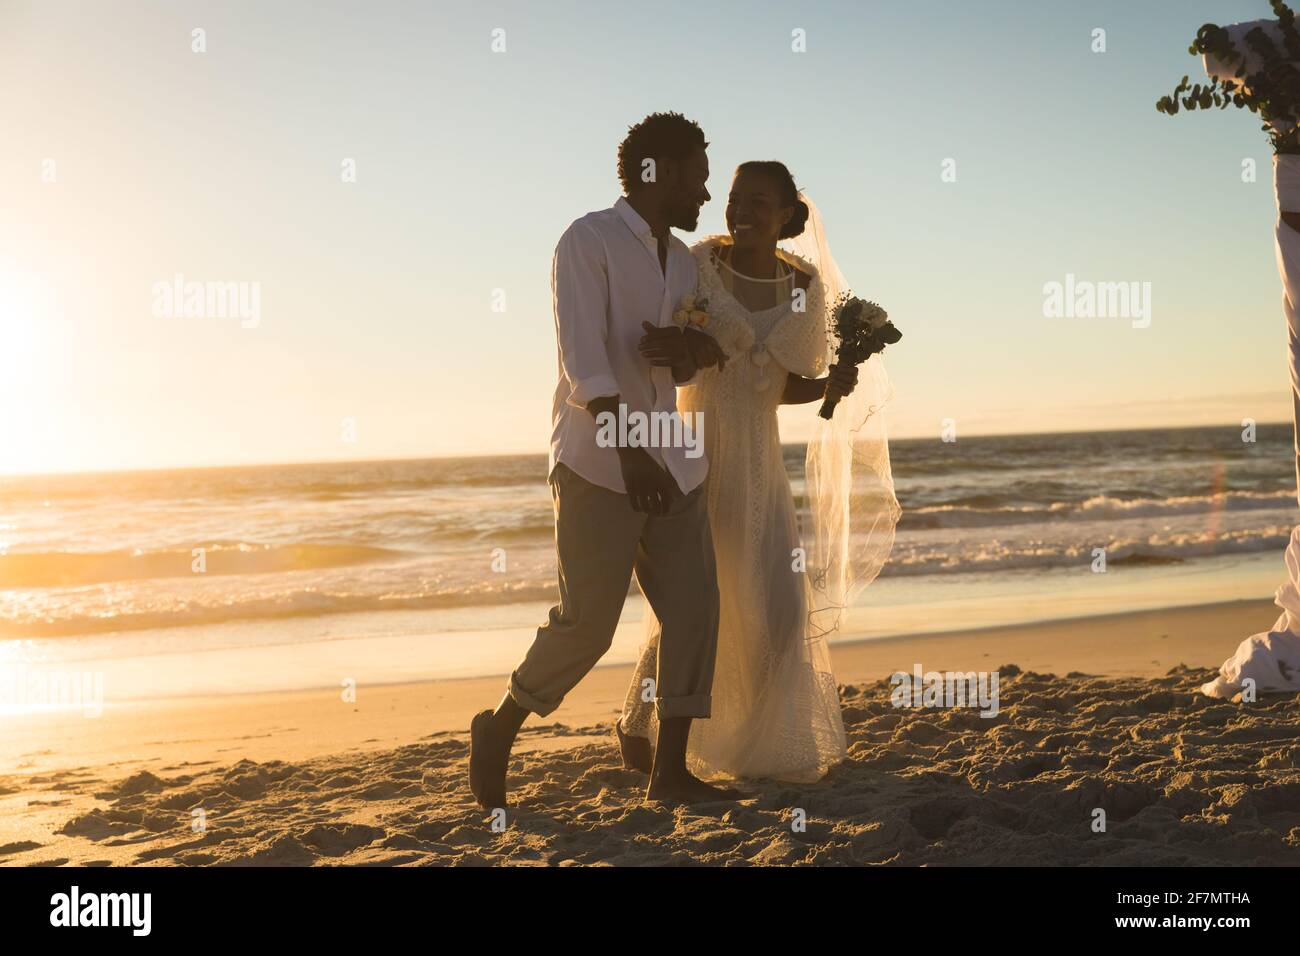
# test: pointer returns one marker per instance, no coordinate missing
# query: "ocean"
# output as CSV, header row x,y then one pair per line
x,y
994,530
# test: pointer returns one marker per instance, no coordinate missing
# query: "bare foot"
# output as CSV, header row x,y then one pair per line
x,y
688,789
636,751
487,763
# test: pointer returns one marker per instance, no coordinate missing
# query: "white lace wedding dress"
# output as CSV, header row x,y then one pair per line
x,y
776,708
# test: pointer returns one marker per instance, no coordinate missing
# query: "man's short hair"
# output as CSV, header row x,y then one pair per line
x,y
669,135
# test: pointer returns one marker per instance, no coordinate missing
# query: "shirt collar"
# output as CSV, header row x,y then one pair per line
x,y
640,228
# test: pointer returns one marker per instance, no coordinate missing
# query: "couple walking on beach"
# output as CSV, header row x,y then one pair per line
x,y
734,680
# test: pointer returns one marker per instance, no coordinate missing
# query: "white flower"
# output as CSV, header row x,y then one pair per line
x,y
874,316
759,356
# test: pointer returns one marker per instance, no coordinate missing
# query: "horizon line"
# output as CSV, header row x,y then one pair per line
x,y
5,476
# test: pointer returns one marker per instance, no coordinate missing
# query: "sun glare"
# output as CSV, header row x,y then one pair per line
x,y
22,363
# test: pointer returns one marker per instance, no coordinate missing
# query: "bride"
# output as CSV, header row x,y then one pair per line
x,y
776,709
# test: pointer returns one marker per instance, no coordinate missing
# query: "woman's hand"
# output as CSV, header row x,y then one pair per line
x,y
842,380
704,349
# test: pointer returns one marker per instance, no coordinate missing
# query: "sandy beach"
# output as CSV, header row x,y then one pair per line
x,y
1096,714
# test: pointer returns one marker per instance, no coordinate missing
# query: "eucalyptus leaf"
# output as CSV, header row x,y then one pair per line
x,y
1272,92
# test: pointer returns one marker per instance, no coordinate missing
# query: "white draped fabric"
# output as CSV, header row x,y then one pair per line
x,y
1271,659
1216,69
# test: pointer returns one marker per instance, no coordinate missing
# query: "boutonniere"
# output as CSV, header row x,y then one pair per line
x,y
692,311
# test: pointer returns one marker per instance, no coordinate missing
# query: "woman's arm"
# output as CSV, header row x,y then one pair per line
x,y
799,390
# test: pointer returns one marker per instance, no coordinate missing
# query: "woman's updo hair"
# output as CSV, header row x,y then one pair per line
x,y
786,189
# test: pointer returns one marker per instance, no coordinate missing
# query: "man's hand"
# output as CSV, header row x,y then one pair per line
x,y
665,346
841,381
705,349
650,489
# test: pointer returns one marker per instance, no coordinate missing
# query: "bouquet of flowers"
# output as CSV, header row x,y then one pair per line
x,y
863,329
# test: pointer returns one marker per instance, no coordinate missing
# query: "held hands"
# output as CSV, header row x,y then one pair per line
x,y
666,348
650,489
682,350
704,349
842,380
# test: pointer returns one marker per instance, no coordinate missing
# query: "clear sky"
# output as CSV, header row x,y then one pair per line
x,y
376,295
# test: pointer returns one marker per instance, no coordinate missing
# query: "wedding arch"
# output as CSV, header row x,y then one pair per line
x,y
1256,66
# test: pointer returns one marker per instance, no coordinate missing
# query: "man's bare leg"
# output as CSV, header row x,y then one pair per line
x,y
670,781
492,734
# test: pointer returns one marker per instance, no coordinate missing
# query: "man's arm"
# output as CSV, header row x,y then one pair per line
x,y
650,489
580,286
580,293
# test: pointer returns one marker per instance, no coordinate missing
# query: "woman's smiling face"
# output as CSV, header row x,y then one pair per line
x,y
755,215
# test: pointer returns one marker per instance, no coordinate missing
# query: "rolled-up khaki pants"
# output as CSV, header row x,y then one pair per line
x,y
599,541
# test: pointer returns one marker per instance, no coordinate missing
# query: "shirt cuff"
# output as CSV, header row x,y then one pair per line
x,y
588,389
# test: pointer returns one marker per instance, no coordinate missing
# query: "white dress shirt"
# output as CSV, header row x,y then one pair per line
x,y
605,281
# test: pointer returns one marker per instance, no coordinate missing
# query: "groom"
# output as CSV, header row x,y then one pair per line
x,y
617,277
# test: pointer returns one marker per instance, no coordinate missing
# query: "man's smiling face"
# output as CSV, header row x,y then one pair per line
x,y
690,192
